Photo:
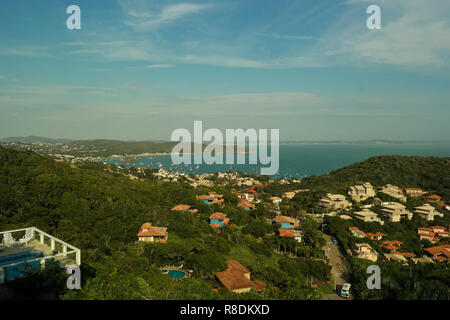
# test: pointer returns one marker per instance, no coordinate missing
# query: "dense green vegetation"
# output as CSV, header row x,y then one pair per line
x,y
429,173
100,211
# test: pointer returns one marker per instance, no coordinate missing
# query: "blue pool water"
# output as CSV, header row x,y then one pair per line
x,y
18,270
176,274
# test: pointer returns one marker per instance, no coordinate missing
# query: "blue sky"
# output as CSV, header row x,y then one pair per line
x,y
140,69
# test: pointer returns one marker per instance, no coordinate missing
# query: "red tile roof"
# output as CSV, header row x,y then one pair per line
x,y
289,233
147,230
234,277
184,207
405,254
285,219
439,250
218,215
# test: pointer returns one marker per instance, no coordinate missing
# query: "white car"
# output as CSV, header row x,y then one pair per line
x,y
345,291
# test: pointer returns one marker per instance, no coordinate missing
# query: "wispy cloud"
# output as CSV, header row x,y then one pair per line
x,y
160,66
284,36
414,33
144,20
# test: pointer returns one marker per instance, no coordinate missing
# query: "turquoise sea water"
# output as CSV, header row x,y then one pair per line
x,y
300,160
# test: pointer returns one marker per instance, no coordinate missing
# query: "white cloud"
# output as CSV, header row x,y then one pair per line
x,y
414,33
160,66
284,36
143,20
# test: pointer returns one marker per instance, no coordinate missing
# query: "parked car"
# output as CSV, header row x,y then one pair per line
x,y
345,291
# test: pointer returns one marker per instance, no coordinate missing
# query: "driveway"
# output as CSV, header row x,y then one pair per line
x,y
339,272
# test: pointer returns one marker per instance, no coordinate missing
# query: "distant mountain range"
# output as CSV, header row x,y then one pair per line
x,y
359,142
110,142
33,139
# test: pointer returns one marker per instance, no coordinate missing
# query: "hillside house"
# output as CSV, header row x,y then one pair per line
x,y
365,251
218,219
395,211
357,233
287,222
246,205
291,233
427,212
414,192
334,201
361,192
375,236
368,216
236,278
211,198
149,233
434,198
185,208
439,253
394,192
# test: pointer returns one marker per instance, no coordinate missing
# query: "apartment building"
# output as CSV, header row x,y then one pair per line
x,y
394,192
361,192
428,212
368,216
334,201
395,211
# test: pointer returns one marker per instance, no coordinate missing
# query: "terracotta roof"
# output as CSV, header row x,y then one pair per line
x,y
392,248
406,254
215,225
392,242
438,227
378,234
181,207
425,229
285,219
234,277
440,259
152,231
245,203
218,215
289,233
438,250
434,197
204,197
233,264
259,285
184,207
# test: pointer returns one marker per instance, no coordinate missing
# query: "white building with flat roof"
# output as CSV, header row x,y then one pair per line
x,y
361,192
33,247
428,212
395,211
334,201
368,216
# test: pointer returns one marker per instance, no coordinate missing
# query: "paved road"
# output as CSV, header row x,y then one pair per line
x,y
338,269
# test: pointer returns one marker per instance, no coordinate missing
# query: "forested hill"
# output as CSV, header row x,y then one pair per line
x,y
93,203
430,173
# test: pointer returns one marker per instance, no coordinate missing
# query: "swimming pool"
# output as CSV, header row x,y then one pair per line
x,y
176,274
13,272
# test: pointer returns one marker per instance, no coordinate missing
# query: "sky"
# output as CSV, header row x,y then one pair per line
x,y
139,69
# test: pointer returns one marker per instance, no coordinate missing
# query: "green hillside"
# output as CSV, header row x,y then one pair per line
x,y
101,212
430,173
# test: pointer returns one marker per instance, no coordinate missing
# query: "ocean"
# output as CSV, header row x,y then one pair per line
x,y
300,160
